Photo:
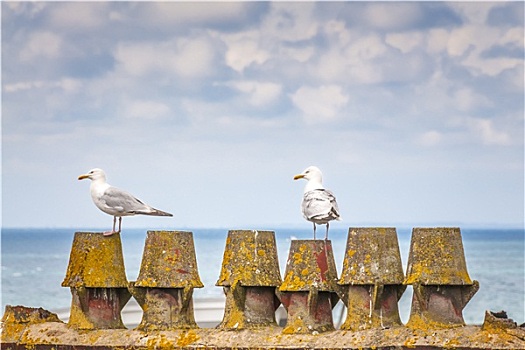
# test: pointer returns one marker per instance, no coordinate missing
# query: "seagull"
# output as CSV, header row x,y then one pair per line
x,y
319,205
114,201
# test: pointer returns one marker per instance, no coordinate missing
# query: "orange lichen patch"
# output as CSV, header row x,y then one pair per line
x,y
78,319
233,319
160,341
497,324
426,323
293,282
96,261
410,343
451,343
169,261
187,338
297,326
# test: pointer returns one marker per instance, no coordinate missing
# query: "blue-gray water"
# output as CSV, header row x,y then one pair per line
x,y
34,263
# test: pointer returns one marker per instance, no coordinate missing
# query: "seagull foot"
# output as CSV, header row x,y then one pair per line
x,y
109,233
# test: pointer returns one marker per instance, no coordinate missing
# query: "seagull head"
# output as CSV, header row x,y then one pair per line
x,y
312,173
94,174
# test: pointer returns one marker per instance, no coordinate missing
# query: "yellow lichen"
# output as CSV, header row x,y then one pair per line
x,y
410,343
160,342
187,338
95,261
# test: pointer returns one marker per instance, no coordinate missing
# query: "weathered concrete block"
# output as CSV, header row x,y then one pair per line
x,y
372,278
309,290
250,275
168,274
437,270
97,279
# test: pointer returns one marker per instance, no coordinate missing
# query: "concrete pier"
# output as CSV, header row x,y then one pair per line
x,y
370,285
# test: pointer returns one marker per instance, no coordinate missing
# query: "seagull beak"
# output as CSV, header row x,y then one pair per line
x,y
82,177
297,177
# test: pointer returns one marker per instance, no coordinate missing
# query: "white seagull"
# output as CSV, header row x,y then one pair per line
x,y
116,202
319,205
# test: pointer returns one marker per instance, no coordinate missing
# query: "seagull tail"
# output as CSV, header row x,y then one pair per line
x,y
155,212
161,213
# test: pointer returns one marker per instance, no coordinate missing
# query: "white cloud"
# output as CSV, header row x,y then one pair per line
x,y
320,104
331,66
491,66
394,15
471,41
430,138
139,58
194,57
79,15
191,12
359,62
406,41
71,85
151,70
24,85
437,40
484,129
43,44
288,21
475,12
514,37
467,99
244,49
365,48
300,54
68,85
338,32
146,110
185,57
468,37
260,93
30,8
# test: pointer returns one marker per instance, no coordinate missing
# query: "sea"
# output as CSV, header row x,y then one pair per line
x,y
34,263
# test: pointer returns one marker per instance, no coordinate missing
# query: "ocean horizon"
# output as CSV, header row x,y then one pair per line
x,y
34,263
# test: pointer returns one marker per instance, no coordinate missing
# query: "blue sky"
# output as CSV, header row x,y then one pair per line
x,y
413,110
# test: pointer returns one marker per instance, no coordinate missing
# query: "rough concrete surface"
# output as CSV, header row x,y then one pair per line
x,y
58,335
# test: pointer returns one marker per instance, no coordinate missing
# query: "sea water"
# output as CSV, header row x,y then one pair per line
x,y
34,263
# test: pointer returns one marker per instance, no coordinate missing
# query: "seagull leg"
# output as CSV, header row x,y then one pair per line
x,y
327,226
314,231
109,233
119,224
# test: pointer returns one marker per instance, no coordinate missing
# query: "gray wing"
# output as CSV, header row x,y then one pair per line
x,y
123,202
320,206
